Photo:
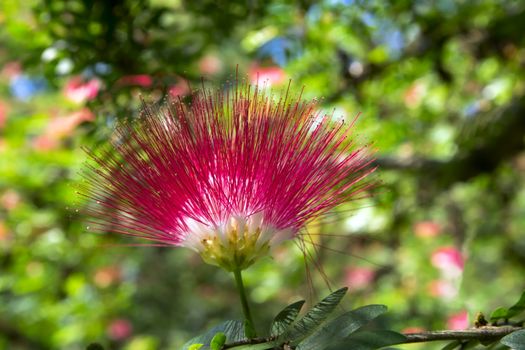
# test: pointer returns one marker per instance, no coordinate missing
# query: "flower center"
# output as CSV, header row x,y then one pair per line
x,y
235,245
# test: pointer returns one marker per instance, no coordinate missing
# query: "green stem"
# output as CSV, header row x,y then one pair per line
x,y
250,326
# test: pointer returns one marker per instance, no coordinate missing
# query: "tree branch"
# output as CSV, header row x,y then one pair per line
x,y
482,333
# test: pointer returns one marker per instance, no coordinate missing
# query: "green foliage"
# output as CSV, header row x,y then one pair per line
x,y
313,318
507,313
515,340
370,340
285,318
230,331
440,88
341,327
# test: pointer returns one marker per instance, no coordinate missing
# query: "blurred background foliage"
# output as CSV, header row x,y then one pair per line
x,y
440,85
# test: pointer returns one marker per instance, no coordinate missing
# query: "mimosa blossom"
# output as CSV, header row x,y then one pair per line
x,y
229,176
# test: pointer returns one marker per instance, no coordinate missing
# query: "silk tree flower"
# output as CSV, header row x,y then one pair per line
x,y
229,175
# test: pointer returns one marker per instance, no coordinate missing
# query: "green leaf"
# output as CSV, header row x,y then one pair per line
x,y
341,327
369,340
452,345
262,346
218,341
233,330
517,308
195,346
498,314
285,318
514,310
94,346
313,318
515,340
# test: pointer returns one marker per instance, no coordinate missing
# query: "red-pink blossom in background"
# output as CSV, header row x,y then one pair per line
x,y
210,64
449,260
10,199
443,289
427,229
413,329
120,329
180,89
60,127
359,277
4,233
229,176
79,91
266,76
3,114
106,276
458,321
143,80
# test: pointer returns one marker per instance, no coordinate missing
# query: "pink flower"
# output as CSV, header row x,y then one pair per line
x,y
458,321
60,127
78,91
119,329
4,233
229,176
210,64
143,80
359,277
180,89
427,229
449,260
443,289
3,114
10,199
268,76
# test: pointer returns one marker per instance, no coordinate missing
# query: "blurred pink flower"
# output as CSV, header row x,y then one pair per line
x,y
414,94
79,91
266,76
443,289
180,89
449,260
11,69
427,229
3,114
60,127
106,276
359,277
143,80
10,199
4,233
210,64
413,329
120,329
458,321
229,176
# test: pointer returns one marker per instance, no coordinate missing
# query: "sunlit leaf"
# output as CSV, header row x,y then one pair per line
x,y
515,340
233,330
285,318
341,327
315,317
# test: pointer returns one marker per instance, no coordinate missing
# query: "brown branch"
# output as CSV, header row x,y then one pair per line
x,y
485,333
482,333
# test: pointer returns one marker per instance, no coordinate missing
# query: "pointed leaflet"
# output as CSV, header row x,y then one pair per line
x,y
234,331
369,340
285,318
514,310
515,340
313,318
336,330
452,345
